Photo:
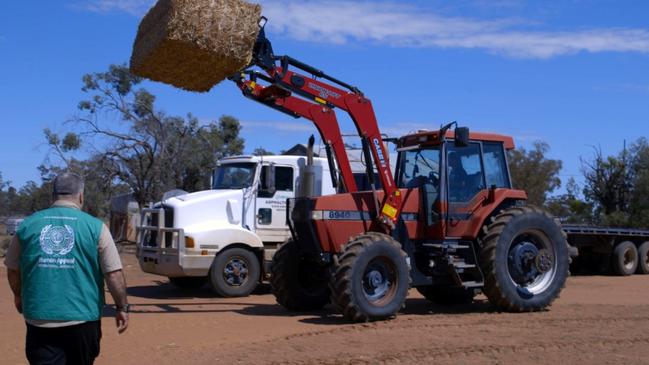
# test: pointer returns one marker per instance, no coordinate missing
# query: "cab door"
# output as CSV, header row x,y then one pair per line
x,y
271,204
471,171
466,184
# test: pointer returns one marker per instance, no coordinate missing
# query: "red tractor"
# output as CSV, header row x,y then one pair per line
x,y
447,222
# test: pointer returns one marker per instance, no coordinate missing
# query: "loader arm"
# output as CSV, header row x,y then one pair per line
x,y
317,95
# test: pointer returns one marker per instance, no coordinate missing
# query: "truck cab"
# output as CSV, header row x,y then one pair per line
x,y
226,235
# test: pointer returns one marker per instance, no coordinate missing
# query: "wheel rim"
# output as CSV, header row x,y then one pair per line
x,y
379,281
629,259
531,262
235,271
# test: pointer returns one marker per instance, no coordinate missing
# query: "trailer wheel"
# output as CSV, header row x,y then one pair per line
x,y
524,259
234,272
298,283
189,282
643,259
447,295
624,260
371,278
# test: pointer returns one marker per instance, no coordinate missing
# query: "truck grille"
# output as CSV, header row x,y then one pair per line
x,y
151,237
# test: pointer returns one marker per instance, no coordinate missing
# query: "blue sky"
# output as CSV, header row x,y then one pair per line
x,y
571,73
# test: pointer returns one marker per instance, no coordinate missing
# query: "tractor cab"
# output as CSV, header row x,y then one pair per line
x,y
455,178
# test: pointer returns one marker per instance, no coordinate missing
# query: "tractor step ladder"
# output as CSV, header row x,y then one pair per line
x,y
462,262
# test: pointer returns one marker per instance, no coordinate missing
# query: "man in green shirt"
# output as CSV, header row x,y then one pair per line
x,y
57,264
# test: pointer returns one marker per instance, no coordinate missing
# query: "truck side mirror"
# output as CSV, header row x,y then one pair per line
x,y
461,137
269,179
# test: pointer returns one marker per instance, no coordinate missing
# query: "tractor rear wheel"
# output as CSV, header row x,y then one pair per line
x,y
624,260
371,278
643,259
447,295
298,283
524,259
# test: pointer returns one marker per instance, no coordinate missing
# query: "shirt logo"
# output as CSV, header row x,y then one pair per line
x,y
57,240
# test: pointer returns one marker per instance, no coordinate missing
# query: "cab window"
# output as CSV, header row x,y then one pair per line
x,y
495,165
283,180
465,173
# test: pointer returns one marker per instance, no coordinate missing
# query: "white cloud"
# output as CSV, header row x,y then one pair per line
x,y
399,24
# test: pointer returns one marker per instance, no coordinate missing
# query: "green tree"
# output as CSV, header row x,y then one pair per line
x,y
533,172
260,151
571,206
140,146
639,202
608,187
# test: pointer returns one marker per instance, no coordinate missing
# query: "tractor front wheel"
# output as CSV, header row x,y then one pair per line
x,y
297,282
371,278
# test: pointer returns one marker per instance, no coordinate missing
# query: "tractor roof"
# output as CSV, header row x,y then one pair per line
x,y
432,137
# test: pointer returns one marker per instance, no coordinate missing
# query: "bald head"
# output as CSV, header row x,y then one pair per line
x,y
68,186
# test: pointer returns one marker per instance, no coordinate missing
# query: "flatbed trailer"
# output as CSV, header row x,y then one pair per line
x,y
621,251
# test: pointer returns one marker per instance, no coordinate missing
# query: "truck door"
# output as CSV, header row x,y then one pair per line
x,y
271,205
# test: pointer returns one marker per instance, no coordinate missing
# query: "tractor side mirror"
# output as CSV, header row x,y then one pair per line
x,y
461,137
268,185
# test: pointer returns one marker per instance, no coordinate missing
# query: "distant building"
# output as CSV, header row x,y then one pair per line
x,y
12,224
124,218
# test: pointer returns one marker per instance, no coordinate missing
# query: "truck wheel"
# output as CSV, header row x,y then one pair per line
x,y
189,282
298,283
235,272
643,259
624,260
447,295
371,278
524,259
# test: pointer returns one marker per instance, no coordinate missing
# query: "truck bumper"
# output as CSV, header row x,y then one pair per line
x,y
161,250
166,262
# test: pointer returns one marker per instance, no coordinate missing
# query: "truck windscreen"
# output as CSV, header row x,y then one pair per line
x,y
234,176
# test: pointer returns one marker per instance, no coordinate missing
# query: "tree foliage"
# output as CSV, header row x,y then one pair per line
x,y
617,186
139,145
533,172
260,151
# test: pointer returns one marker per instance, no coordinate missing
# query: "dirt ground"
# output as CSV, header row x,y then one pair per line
x,y
597,320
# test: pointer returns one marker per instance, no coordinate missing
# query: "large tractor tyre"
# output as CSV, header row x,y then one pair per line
x,y
447,296
189,282
624,260
235,272
643,259
371,278
298,283
524,259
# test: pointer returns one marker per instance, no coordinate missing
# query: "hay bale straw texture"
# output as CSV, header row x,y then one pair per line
x,y
195,44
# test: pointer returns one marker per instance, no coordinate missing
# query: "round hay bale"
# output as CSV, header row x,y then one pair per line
x,y
195,44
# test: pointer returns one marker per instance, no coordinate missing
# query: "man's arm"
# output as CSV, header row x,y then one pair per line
x,y
111,266
117,286
14,283
12,262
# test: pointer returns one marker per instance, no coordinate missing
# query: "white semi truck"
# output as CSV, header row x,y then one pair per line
x,y
227,235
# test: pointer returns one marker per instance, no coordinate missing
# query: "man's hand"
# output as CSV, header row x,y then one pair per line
x,y
121,321
18,302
